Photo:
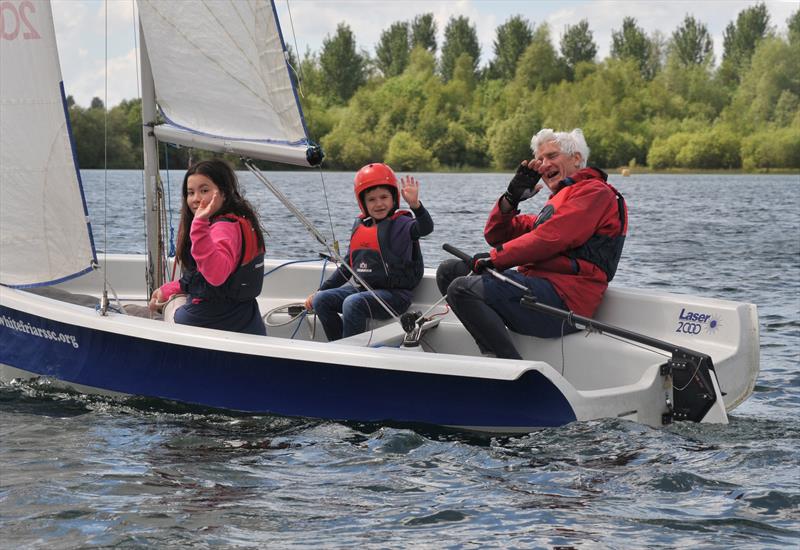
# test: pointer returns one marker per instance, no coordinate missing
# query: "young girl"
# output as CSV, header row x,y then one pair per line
x,y
221,253
384,251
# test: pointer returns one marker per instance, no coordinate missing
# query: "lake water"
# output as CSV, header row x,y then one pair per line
x,y
84,472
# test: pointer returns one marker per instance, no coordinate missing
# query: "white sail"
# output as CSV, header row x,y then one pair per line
x,y
221,78
44,230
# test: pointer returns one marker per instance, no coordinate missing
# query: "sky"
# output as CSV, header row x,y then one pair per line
x,y
88,71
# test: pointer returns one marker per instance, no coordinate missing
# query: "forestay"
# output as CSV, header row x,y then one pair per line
x,y
221,78
44,229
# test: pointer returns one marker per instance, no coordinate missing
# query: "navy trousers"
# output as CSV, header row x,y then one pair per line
x,y
224,315
488,307
356,307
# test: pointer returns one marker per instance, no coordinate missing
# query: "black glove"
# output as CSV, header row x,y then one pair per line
x,y
480,262
522,186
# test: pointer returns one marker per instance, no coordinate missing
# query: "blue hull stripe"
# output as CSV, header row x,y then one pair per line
x,y
275,385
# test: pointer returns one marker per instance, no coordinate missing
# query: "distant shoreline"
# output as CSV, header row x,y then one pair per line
x,y
639,170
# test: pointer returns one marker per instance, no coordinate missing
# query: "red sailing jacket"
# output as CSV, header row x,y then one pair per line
x,y
546,248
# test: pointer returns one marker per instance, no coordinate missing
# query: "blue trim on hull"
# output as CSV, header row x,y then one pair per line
x,y
275,385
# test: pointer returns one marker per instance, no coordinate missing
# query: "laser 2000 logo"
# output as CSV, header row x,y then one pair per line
x,y
695,322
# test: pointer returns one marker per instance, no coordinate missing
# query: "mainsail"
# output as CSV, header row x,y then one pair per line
x,y
221,79
45,235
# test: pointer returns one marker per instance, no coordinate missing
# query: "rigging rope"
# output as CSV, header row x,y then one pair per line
x,y
104,298
299,71
299,65
171,253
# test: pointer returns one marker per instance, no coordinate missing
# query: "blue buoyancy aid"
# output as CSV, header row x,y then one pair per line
x,y
244,283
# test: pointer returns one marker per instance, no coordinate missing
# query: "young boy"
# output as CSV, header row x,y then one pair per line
x,y
384,251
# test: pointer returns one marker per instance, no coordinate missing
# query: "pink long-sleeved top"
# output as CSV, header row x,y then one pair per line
x,y
215,249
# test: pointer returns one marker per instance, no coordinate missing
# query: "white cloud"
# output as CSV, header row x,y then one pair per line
x,y
82,45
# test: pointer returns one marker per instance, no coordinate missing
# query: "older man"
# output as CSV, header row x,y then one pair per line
x,y
565,256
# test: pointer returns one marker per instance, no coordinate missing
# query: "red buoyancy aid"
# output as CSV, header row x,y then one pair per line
x,y
575,242
373,257
246,281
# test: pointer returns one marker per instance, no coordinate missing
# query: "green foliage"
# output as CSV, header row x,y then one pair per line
x,y
740,40
393,49
540,65
577,45
715,148
793,26
613,147
664,151
413,102
311,79
423,32
787,109
512,39
343,69
691,44
772,82
345,147
320,118
422,63
718,148
681,91
510,140
407,153
459,147
463,76
107,140
772,149
459,37
654,101
630,42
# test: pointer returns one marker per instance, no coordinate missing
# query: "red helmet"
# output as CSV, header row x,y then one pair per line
x,y
375,175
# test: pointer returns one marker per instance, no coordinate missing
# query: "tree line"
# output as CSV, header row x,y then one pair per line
x,y
657,100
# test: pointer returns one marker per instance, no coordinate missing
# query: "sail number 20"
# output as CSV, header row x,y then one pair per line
x,y
14,18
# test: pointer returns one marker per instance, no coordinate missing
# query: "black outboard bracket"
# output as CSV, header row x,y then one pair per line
x,y
408,320
411,326
692,389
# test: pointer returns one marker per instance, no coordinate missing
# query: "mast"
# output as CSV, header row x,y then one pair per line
x,y
152,182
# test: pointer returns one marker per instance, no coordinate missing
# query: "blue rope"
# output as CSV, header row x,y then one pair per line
x,y
322,273
321,277
296,262
169,205
300,322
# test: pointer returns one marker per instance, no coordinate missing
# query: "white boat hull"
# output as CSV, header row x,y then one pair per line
x,y
371,377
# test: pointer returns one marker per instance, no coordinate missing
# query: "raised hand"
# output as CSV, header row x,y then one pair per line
x,y
523,185
409,188
207,207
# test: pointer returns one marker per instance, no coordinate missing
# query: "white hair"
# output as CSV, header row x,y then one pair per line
x,y
569,142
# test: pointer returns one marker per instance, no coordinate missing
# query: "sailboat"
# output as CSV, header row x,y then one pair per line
x,y
215,76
